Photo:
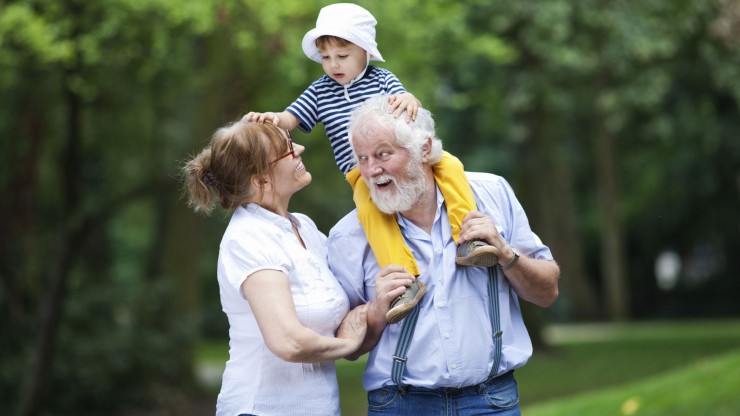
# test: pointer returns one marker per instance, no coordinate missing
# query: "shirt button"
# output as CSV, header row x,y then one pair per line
x,y
453,366
441,304
447,335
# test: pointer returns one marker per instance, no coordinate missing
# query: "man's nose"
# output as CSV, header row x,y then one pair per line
x,y
374,168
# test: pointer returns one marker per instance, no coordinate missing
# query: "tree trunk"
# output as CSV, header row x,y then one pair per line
x,y
69,243
556,216
612,254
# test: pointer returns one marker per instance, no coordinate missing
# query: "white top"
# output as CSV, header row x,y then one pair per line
x,y
255,380
452,344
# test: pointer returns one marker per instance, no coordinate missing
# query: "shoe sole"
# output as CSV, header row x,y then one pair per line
x,y
480,257
399,312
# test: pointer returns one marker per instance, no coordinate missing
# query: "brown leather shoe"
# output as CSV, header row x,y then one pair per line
x,y
402,305
477,253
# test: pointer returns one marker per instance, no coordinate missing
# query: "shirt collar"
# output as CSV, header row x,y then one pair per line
x,y
282,222
362,75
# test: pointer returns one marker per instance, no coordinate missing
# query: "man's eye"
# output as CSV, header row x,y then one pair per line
x,y
343,56
362,159
384,155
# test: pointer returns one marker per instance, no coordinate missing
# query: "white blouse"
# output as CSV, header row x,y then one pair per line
x,y
255,380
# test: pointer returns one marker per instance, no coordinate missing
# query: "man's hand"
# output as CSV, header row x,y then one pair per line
x,y
479,226
390,283
404,102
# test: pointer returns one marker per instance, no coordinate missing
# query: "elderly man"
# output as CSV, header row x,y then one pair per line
x,y
455,353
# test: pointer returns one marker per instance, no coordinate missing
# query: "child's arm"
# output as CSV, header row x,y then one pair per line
x,y
284,120
404,102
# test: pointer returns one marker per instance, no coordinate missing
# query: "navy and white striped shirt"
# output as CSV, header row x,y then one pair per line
x,y
324,102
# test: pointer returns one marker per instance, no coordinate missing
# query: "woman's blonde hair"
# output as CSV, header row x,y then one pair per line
x,y
223,171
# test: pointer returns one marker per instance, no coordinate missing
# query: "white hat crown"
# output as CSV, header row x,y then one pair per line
x,y
347,21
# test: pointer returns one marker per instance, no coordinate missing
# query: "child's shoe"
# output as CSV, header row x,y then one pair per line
x,y
477,253
402,305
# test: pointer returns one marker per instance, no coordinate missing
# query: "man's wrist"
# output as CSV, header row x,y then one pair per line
x,y
376,315
513,260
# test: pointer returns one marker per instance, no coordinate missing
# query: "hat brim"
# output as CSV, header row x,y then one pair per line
x,y
312,52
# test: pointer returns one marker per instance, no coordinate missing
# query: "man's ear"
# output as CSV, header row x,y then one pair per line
x,y
426,149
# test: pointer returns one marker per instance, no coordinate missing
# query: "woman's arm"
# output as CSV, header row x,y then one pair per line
x,y
268,293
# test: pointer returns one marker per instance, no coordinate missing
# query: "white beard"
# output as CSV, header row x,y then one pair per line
x,y
408,193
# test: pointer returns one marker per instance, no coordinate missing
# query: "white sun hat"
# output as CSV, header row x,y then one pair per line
x,y
347,21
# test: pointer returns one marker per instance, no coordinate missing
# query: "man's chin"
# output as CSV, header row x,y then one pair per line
x,y
385,202
385,209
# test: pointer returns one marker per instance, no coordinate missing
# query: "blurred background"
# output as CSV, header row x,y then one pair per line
x,y
616,122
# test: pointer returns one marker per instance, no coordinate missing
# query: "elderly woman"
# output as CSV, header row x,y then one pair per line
x,y
288,316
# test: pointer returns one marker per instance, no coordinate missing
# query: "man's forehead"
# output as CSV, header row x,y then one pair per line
x,y
373,133
375,140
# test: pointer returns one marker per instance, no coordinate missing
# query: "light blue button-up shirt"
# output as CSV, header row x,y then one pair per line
x,y
452,345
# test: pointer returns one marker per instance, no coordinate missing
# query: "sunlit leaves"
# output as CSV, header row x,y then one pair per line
x,y
27,35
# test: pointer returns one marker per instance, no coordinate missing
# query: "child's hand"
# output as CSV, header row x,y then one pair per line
x,y
262,117
404,102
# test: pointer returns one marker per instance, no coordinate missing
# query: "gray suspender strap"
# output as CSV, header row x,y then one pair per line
x,y
495,318
409,325
404,341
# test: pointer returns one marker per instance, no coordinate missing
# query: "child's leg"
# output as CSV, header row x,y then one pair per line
x,y
452,182
381,229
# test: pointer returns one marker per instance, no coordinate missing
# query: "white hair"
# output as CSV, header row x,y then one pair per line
x,y
374,114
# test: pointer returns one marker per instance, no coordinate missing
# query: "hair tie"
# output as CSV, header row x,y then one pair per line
x,y
209,179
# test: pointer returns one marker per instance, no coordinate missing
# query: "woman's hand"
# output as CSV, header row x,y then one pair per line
x,y
390,283
354,327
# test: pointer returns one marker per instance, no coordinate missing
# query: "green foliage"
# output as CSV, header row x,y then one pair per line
x,y
120,340
101,102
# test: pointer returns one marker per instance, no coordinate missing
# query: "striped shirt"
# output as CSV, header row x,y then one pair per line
x,y
324,102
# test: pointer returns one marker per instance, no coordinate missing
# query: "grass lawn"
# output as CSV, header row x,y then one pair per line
x,y
590,357
644,368
707,387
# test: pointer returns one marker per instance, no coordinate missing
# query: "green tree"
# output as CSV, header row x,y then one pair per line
x,y
87,91
614,121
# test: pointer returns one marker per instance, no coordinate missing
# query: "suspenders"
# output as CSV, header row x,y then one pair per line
x,y
409,324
